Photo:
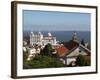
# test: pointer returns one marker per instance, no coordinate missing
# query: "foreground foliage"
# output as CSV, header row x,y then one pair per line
x,y
83,60
42,61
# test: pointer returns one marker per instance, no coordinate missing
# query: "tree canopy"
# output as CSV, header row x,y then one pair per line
x,y
83,60
47,50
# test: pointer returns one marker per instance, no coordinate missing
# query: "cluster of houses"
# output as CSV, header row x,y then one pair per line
x,y
67,53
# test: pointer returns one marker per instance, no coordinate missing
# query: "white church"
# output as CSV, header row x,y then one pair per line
x,y
40,39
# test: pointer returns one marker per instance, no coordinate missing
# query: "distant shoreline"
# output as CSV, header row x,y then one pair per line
x,y
63,35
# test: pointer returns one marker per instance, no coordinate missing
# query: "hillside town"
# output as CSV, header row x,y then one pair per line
x,y
66,52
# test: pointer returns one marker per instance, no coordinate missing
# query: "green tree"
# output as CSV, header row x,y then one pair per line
x,y
43,62
83,60
47,50
82,42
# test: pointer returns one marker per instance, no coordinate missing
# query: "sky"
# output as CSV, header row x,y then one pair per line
x,y
34,20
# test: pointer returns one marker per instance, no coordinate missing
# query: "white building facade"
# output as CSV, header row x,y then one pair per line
x,y
41,40
72,56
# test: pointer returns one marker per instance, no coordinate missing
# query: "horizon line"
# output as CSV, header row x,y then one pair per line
x,y
57,30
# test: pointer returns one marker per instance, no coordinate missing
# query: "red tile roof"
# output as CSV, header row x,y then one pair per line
x,y
61,51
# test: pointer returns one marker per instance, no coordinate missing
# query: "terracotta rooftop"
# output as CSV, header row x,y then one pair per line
x,y
61,51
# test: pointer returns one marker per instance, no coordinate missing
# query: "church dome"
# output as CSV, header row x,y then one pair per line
x,y
39,33
74,37
32,33
49,34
